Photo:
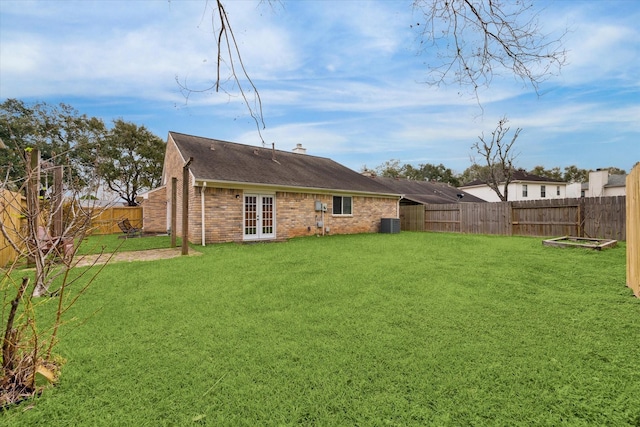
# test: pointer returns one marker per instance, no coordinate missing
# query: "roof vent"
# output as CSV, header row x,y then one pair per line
x,y
300,149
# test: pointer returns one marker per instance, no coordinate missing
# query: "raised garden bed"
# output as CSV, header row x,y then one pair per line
x,y
580,242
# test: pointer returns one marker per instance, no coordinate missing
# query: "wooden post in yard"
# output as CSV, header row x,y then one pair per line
x,y
174,207
581,218
185,207
33,208
56,204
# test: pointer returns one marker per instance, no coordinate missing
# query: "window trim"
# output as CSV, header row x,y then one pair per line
x,y
333,205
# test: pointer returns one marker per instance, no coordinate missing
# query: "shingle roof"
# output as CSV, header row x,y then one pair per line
x,y
229,162
427,192
617,181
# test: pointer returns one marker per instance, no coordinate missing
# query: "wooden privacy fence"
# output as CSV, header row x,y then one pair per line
x,y
12,206
603,217
106,221
633,230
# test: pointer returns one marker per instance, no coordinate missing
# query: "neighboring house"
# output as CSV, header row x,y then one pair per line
x,y
523,186
603,184
240,193
426,192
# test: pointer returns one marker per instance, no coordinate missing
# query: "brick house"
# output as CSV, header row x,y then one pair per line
x,y
240,193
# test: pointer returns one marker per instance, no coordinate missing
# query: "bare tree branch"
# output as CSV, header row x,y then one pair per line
x,y
477,40
228,53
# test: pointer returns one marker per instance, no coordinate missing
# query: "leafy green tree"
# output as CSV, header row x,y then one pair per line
x,y
61,134
423,172
475,172
574,174
390,169
616,171
553,173
130,160
437,173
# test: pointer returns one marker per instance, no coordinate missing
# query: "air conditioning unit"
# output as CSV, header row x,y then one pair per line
x,y
390,225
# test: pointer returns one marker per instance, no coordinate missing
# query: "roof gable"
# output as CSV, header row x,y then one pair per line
x,y
229,162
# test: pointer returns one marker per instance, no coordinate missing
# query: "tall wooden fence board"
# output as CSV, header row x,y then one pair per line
x,y
484,218
106,221
441,218
633,230
412,217
11,209
560,217
603,217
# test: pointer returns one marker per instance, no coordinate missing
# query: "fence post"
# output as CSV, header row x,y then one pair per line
x,y
185,207
633,229
174,207
581,218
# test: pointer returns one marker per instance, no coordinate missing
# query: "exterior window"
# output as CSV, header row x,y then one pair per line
x,y
342,205
525,190
558,190
543,191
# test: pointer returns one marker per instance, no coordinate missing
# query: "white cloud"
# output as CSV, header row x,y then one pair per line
x,y
340,77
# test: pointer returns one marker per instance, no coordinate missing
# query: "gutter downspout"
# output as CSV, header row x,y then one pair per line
x,y
202,191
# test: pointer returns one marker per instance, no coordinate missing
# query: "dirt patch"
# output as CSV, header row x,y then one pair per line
x,y
130,256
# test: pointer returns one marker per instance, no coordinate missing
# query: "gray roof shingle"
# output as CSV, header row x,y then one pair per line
x,y
222,161
617,181
427,192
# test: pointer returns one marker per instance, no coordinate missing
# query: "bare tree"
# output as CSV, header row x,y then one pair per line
x,y
43,228
497,158
477,40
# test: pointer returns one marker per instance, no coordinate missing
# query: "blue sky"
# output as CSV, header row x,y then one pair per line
x,y
343,78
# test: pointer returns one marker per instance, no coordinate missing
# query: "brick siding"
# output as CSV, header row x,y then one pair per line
x,y
295,211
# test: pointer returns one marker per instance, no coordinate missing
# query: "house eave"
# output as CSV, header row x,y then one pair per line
x,y
198,182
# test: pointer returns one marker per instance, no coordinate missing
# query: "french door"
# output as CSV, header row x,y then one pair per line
x,y
259,217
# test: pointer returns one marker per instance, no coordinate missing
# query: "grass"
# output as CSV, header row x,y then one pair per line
x,y
407,329
116,243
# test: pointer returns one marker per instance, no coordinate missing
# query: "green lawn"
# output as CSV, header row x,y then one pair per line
x,y
407,329
117,242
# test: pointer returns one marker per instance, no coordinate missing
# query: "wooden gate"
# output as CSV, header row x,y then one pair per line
x,y
412,217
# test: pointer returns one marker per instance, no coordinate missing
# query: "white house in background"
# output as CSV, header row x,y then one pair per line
x,y
603,184
523,186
